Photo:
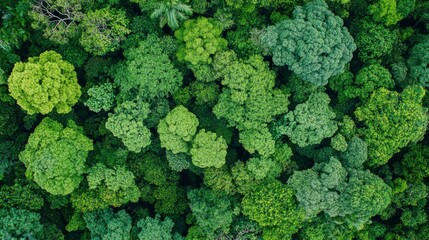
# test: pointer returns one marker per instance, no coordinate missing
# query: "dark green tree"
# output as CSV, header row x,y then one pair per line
x,y
314,44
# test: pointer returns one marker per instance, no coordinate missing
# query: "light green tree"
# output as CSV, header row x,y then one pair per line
x,y
199,40
208,150
55,156
177,130
391,121
44,83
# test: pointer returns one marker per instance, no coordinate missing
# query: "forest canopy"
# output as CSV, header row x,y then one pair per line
x,y
214,119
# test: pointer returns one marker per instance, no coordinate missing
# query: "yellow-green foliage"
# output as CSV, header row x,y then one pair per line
x,y
44,83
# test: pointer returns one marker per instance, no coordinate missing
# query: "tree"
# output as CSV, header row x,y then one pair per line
x,y
418,62
310,122
249,101
208,150
211,209
351,195
14,30
44,83
115,186
57,18
390,12
171,12
264,207
316,188
177,129
199,40
20,196
148,71
154,228
127,123
55,156
373,40
103,30
101,97
108,225
414,166
314,44
369,79
392,120
20,224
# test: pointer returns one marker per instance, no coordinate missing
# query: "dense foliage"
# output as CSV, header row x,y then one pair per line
x,y
214,119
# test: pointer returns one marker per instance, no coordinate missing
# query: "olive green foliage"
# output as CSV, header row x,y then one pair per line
x,y
57,18
171,13
20,196
177,130
264,207
154,228
373,40
208,150
256,171
103,30
101,97
310,122
148,71
415,164
20,224
55,156
44,83
115,186
127,124
315,60
418,63
199,40
389,12
108,225
369,79
392,120
211,209
158,184
339,143
249,101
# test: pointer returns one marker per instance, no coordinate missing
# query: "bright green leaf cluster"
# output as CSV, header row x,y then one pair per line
x,y
208,150
55,156
199,40
392,121
177,129
127,124
44,83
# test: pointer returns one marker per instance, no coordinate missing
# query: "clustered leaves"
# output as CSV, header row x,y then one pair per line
x,y
44,83
222,119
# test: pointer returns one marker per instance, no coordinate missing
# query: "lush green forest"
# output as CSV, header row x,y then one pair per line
x,y
214,119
